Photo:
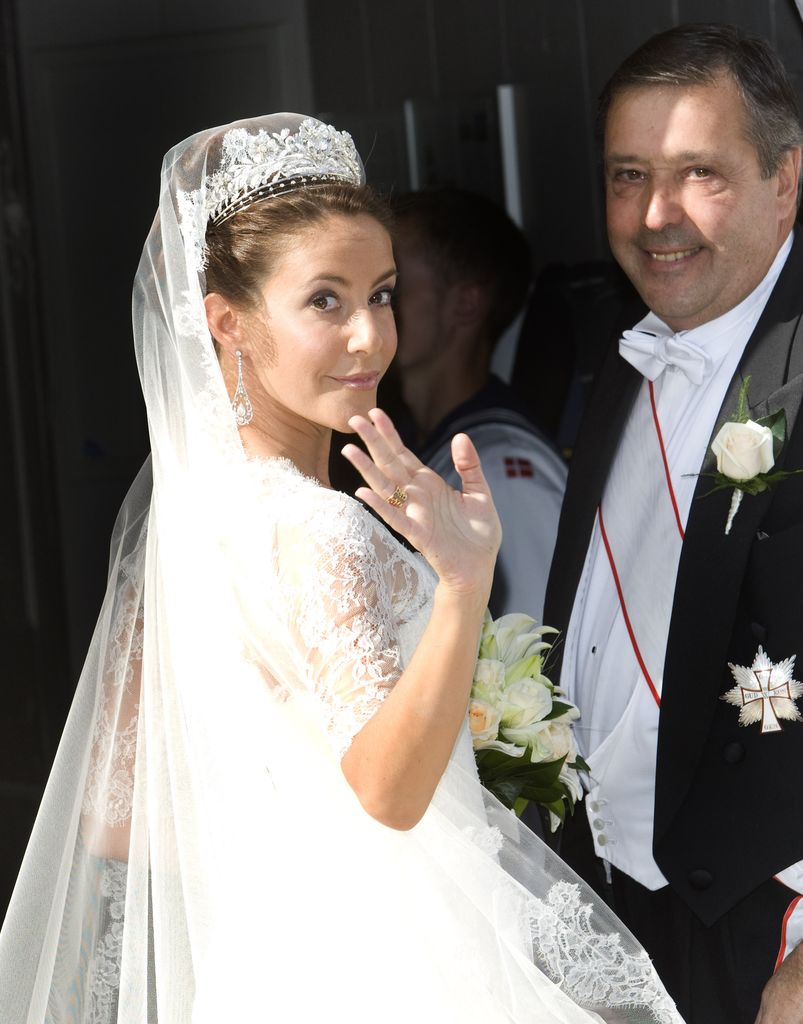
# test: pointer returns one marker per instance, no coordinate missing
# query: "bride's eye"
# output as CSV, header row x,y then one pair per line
x,y
383,297
324,301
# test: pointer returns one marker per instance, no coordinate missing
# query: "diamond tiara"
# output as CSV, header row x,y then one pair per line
x,y
259,165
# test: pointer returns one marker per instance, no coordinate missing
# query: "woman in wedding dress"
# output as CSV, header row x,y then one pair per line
x,y
264,806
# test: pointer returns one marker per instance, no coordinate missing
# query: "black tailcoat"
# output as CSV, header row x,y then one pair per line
x,y
729,799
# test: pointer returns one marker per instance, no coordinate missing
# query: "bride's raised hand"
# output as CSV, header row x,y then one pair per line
x,y
458,532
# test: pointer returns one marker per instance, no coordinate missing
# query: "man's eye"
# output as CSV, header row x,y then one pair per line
x,y
325,302
384,297
629,174
700,172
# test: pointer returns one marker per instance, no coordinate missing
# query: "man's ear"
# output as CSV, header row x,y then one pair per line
x,y
225,322
788,180
469,303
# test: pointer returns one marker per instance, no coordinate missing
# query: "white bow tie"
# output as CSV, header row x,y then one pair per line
x,y
651,354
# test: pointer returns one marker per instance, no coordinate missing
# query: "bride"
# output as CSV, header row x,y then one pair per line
x,y
264,806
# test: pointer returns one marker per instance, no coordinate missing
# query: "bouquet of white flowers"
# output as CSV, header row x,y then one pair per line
x,y
521,725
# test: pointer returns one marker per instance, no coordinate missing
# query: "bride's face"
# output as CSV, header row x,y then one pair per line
x,y
328,330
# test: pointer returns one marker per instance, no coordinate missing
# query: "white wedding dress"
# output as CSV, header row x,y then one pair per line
x,y
467,917
198,856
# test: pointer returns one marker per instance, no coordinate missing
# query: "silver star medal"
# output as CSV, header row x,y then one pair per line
x,y
765,692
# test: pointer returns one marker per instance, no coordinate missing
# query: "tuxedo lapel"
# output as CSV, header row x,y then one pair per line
x,y
712,565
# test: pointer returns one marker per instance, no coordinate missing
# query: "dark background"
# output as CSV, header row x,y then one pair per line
x,y
92,93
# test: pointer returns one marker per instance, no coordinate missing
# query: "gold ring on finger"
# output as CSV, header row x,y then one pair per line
x,y
398,498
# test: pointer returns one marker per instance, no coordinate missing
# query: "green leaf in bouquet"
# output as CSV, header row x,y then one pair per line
x,y
498,765
543,795
507,791
558,709
490,761
558,808
520,806
546,772
516,769
524,668
489,648
579,764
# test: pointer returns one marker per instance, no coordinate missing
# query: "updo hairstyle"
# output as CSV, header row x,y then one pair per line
x,y
244,250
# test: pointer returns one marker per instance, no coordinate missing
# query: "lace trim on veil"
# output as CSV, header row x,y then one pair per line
x,y
590,965
109,792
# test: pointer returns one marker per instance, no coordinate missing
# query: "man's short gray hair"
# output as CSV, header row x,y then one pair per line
x,y
698,55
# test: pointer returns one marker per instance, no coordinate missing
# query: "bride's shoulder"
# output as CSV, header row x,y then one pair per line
x,y
325,539
302,506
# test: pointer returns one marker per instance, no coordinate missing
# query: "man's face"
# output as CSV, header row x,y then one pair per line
x,y
690,218
419,301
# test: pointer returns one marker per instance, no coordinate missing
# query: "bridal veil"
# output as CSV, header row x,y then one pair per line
x,y
198,855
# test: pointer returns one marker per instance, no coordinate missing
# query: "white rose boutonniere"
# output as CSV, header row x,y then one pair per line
x,y
746,451
743,450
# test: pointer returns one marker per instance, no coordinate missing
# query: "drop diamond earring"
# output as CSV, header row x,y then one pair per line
x,y
241,403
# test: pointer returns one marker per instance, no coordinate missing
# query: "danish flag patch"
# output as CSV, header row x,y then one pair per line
x,y
518,467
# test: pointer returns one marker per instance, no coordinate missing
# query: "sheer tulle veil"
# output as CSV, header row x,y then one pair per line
x,y
198,855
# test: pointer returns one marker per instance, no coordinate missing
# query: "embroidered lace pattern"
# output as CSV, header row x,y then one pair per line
x,y
103,977
349,610
110,781
589,965
488,839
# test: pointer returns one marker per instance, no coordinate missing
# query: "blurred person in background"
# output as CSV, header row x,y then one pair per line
x,y
464,274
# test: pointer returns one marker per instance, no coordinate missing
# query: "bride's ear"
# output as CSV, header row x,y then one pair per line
x,y
224,321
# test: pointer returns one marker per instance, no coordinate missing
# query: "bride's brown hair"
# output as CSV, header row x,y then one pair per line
x,y
243,250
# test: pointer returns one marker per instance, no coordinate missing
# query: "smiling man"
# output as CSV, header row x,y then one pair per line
x,y
694,823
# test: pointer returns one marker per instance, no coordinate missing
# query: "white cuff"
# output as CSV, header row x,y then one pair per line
x,y
791,930
792,924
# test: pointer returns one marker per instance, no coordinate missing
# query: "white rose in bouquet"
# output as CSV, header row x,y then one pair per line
x,y
551,742
524,702
483,720
489,680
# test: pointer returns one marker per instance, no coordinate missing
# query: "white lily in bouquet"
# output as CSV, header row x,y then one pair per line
x,y
521,724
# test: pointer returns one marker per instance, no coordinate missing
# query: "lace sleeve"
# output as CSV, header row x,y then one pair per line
x,y
353,588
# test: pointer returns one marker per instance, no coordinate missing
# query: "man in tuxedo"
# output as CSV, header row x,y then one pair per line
x,y
693,823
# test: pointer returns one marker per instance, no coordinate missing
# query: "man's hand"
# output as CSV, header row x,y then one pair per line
x,y
782,998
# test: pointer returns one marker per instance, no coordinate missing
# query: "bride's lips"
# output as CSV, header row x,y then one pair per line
x,y
359,381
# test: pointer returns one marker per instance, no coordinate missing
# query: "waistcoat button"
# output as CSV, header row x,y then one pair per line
x,y
759,632
700,878
733,752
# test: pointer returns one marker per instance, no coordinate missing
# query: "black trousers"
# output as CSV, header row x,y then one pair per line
x,y
715,974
